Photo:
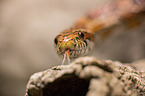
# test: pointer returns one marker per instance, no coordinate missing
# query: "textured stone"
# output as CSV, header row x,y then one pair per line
x,y
88,76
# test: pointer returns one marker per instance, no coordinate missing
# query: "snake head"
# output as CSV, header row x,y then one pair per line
x,y
76,41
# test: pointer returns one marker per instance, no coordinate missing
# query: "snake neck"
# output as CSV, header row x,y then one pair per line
x,y
120,12
79,39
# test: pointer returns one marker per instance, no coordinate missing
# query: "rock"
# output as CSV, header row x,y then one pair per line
x,y
88,76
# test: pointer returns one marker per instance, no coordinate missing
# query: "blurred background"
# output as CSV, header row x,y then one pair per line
x,y
27,31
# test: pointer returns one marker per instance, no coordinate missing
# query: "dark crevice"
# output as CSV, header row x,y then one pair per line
x,y
67,85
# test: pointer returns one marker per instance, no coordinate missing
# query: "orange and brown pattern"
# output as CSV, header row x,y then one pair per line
x,y
78,40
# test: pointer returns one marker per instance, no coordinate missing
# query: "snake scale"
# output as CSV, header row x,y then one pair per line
x,y
79,39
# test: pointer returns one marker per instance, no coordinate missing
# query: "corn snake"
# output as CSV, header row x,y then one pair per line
x,y
79,39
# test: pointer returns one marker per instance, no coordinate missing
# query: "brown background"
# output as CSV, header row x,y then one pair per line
x,y
27,31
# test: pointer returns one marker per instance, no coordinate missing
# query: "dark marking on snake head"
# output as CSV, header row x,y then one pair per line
x,y
86,42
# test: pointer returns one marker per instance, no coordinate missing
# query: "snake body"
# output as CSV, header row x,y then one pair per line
x,y
79,39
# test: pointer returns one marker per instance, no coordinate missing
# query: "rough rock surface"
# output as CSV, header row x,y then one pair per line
x,y
88,76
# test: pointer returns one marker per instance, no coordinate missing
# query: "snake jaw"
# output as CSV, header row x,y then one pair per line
x,y
77,49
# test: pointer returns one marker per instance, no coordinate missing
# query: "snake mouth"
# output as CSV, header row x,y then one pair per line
x,y
74,53
63,52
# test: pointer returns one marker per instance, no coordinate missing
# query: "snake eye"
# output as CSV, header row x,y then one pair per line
x,y
55,41
81,35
